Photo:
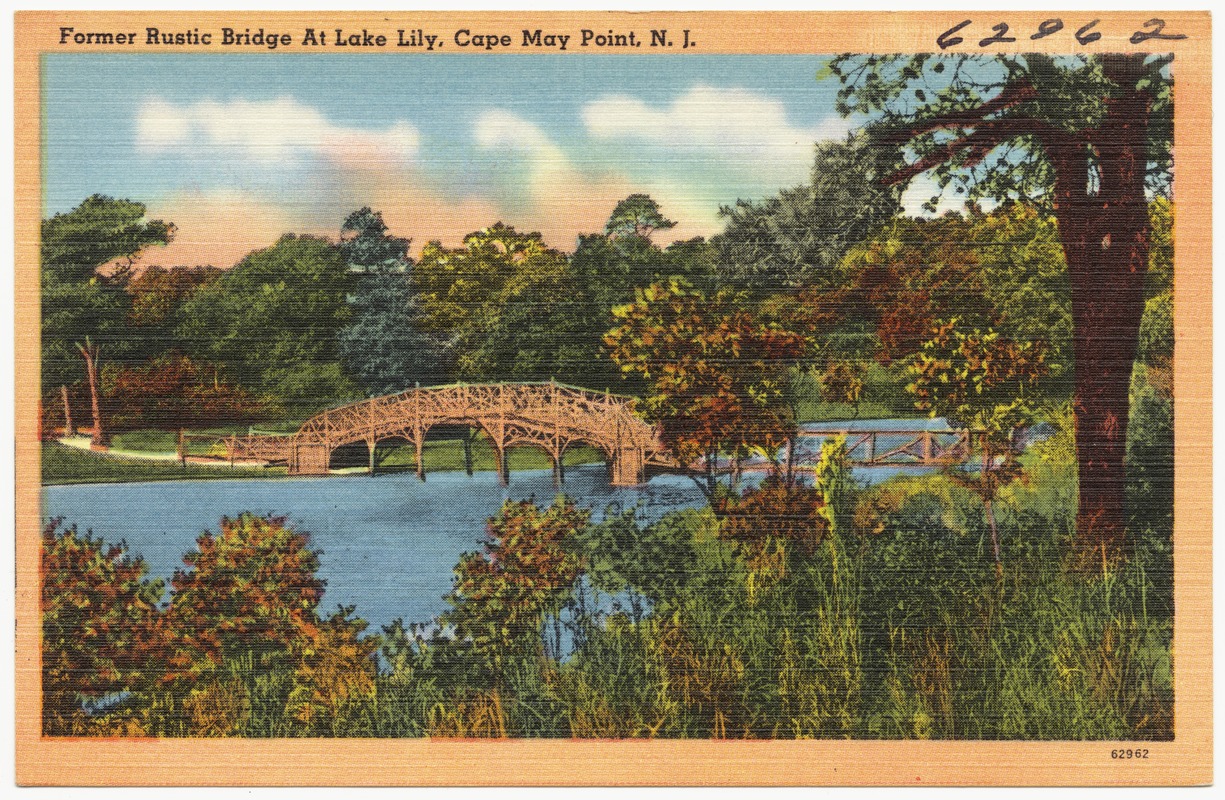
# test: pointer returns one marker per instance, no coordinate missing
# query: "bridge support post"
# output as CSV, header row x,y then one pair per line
x,y
559,471
502,464
420,464
468,451
372,445
627,467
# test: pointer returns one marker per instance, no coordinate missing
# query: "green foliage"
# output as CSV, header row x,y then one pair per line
x,y
463,293
98,232
501,596
1161,246
636,215
892,626
978,380
841,383
157,295
380,345
273,320
78,300
1025,279
914,100
1157,331
796,239
985,385
1041,654
1017,127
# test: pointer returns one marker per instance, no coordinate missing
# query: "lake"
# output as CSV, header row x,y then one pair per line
x,y
388,543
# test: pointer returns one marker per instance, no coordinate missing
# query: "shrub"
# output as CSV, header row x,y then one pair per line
x,y
99,638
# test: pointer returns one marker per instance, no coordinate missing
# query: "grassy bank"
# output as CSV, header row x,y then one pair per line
x,y
61,465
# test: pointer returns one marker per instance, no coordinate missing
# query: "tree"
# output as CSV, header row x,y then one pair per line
x,y
157,295
983,384
637,215
902,280
273,322
463,293
381,346
607,268
797,238
83,308
170,392
1090,138
841,383
717,373
540,330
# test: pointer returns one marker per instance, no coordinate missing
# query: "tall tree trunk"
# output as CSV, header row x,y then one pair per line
x,y
1105,236
90,352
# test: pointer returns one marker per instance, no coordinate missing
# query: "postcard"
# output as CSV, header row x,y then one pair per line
x,y
586,398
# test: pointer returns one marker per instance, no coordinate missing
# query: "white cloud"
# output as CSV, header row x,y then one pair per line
x,y
728,126
501,129
270,131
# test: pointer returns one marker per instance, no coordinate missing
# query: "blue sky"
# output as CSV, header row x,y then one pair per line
x,y
237,149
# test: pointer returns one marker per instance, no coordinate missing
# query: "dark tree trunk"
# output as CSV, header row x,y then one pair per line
x,y
1105,234
89,352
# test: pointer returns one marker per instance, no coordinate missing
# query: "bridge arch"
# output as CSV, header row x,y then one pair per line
x,y
548,416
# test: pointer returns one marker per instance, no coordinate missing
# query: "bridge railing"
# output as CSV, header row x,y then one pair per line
x,y
900,447
266,448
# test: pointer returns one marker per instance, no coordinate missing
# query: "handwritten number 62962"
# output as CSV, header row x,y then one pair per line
x,y
1085,34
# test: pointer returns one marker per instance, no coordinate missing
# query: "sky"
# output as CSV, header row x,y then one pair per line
x,y
236,150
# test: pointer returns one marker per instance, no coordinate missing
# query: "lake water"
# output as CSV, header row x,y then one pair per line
x,y
388,543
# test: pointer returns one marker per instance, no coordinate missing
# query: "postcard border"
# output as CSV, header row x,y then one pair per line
x,y
1186,760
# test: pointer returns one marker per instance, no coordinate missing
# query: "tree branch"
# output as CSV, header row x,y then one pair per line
x,y
985,138
1011,96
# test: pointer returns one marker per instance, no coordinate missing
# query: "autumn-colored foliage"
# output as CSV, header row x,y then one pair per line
x,y
901,283
841,383
775,509
978,379
99,632
333,668
245,609
984,383
251,588
173,391
157,292
717,372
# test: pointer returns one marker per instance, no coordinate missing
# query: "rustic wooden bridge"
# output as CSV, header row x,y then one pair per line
x,y
549,416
